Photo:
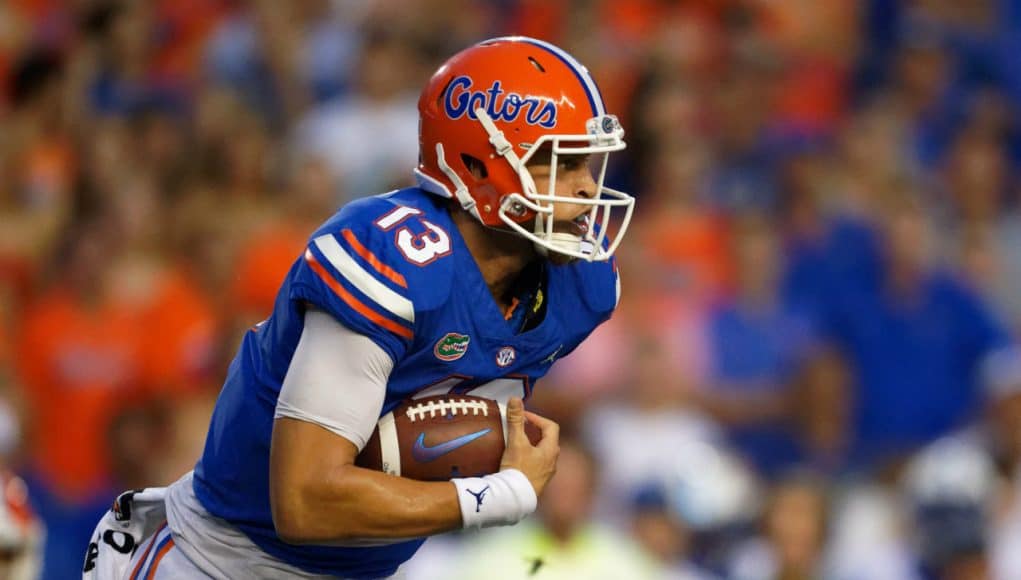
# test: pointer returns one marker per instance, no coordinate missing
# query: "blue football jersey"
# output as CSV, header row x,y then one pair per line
x,y
394,268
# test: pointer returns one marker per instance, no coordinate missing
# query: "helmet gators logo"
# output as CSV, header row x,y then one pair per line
x,y
500,106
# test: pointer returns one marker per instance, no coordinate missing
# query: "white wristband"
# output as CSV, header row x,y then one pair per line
x,y
499,499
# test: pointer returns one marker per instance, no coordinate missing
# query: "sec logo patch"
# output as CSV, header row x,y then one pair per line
x,y
506,356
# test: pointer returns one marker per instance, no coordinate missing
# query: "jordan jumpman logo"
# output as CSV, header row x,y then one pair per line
x,y
478,497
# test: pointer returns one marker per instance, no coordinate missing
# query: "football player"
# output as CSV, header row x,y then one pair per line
x,y
497,264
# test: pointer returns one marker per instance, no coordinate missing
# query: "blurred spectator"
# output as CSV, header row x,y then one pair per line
x,y
21,532
37,164
759,345
663,535
630,434
977,175
78,359
873,160
266,255
283,56
161,146
368,138
687,241
126,76
718,498
915,342
826,217
816,43
923,86
180,324
947,486
868,535
965,488
793,535
744,176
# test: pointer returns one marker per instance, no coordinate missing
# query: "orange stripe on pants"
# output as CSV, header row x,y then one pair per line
x,y
145,556
159,556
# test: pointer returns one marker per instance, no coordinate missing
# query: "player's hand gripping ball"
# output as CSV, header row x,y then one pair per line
x,y
440,438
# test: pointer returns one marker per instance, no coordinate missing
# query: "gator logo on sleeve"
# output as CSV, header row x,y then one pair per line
x,y
452,346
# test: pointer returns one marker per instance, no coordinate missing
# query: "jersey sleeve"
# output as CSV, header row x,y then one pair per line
x,y
351,270
329,354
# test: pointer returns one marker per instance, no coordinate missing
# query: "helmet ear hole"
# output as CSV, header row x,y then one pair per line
x,y
475,166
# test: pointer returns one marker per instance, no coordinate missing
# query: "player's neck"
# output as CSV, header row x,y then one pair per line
x,y
500,256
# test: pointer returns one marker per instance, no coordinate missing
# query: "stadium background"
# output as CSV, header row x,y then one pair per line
x,y
811,371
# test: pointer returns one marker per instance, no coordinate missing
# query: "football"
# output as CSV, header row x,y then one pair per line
x,y
439,438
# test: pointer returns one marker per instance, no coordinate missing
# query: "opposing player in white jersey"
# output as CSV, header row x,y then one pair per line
x,y
503,249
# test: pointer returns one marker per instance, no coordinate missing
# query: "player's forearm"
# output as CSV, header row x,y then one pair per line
x,y
349,503
317,494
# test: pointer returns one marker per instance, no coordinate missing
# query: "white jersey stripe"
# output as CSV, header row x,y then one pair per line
x,y
363,280
396,216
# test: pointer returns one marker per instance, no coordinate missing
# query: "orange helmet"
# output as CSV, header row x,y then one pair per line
x,y
494,105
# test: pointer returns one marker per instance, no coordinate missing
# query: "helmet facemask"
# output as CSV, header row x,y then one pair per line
x,y
604,136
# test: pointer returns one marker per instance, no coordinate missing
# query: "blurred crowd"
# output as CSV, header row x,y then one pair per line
x,y
812,372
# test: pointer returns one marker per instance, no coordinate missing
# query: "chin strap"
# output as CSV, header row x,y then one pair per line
x,y
498,140
460,189
567,242
504,149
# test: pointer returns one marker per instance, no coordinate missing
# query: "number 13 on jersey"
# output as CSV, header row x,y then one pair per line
x,y
420,249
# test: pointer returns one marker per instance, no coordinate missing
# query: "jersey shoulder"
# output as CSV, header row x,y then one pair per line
x,y
407,234
376,263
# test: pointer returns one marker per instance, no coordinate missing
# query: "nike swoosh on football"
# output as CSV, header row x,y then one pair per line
x,y
425,454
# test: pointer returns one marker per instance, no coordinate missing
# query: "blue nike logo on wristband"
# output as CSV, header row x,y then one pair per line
x,y
425,454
